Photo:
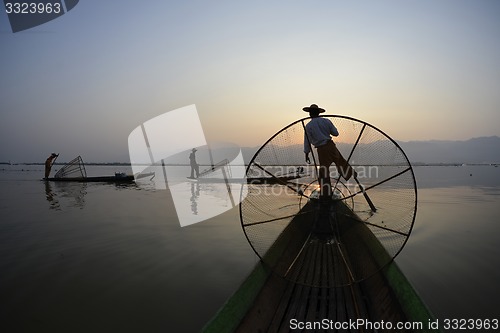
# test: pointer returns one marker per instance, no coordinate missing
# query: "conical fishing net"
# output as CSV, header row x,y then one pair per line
x,y
74,169
342,240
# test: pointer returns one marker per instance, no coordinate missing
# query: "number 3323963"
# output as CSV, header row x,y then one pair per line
x,y
32,8
468,324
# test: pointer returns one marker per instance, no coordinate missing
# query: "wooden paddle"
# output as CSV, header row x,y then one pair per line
x,y
370,203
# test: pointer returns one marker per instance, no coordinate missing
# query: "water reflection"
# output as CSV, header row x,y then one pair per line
x,y
51,198
195,202
195,194
67,195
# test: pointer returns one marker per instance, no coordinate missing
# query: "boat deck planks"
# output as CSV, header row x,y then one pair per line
x,y
322,262
309,304
310,270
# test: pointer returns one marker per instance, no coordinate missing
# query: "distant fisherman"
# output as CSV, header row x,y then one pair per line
x,y
318,133
194,165
48,164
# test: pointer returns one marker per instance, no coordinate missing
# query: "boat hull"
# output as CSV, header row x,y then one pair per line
x,y
272,300
253,181
102,179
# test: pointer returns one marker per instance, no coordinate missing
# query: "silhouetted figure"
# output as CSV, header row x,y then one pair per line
x,y
300,170
318,133
194,166
48,164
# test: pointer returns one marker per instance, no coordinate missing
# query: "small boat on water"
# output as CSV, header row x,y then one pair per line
x,y
74,171
252,180
117,178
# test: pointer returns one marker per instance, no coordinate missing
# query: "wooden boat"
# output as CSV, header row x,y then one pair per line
x,y
328,265
273,180
327,258
101,179
252,180
74,171
117,178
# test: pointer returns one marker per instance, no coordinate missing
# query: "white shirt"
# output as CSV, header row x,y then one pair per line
x,y
318,131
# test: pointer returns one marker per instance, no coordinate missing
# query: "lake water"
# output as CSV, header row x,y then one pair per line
x,y
113,258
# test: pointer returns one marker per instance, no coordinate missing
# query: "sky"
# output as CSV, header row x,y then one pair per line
x,y
78,85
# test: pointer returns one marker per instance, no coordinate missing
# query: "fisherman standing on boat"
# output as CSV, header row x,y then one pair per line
x,y
194,166
318,132
48,164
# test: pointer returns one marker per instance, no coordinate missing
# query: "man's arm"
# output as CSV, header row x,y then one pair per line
x,y
307,145
307,148
52,158
333,130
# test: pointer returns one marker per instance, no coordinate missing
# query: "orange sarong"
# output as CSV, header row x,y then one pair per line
x,y
328,154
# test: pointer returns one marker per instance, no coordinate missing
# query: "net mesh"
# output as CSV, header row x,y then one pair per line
x,y
342,241
74,169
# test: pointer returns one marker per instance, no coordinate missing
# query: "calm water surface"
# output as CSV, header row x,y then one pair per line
x,y
453,254
107,258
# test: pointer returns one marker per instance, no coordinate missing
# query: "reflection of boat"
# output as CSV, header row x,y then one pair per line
x,y
63,195
325,260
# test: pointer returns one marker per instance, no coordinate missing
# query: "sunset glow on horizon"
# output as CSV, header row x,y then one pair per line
x,y
81,83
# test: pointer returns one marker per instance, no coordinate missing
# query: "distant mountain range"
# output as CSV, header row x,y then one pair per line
x,y
472,151
482,150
